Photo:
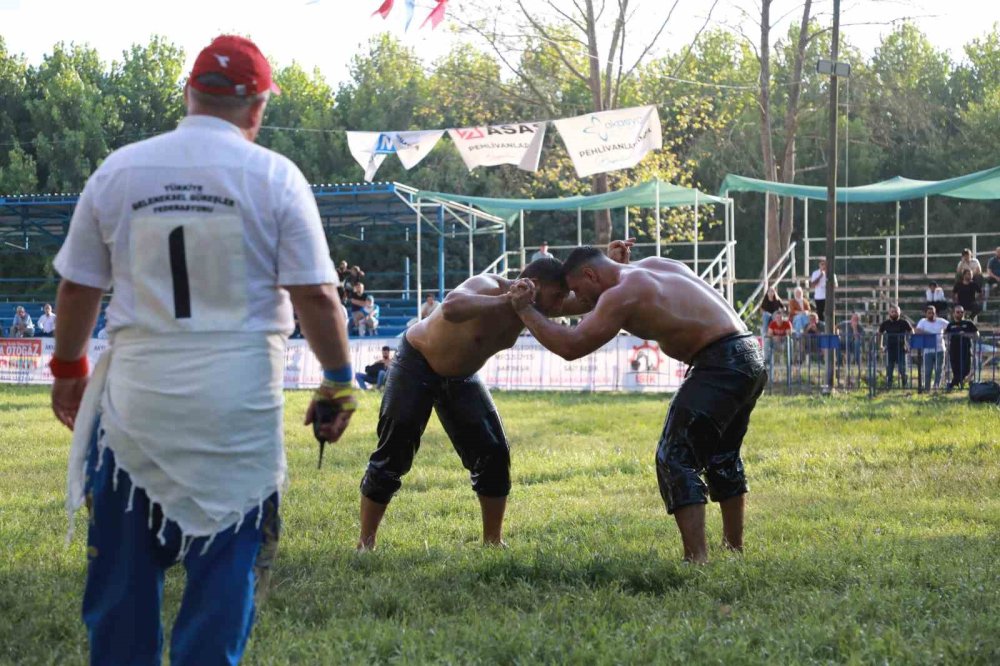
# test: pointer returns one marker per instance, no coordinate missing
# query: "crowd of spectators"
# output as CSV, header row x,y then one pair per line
x,y
22,325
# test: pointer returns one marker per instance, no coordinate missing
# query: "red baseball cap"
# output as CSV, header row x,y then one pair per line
x,y
232,65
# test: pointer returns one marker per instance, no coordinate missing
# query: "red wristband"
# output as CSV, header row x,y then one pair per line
x,y
69,369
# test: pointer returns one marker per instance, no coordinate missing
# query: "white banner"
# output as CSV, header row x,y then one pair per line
x,y
624,364
519,144
369,149
610,140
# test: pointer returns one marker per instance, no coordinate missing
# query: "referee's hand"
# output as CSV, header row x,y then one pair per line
x,y
343,400
66,397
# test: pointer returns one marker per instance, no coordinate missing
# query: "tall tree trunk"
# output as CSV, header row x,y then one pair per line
x,y
766,144
602,218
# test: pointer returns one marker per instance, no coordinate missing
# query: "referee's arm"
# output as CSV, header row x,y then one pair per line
x,y
78,306
322,322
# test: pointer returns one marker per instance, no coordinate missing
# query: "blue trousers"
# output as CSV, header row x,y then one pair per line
x,y
895,358
933,360
125,573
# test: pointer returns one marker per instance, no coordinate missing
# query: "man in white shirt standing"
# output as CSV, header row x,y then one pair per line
x,y
817,282
208,241
931,324
47,322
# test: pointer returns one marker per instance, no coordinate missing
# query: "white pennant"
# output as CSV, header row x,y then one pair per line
x,y
515,143
411,147
369,149
610,140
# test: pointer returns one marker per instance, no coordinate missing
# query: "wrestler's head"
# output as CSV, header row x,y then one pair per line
x,y
584,269
550,284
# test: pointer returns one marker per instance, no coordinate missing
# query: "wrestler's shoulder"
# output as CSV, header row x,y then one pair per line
x,y
487,283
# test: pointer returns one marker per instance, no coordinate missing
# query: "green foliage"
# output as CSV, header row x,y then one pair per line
x,y
871,538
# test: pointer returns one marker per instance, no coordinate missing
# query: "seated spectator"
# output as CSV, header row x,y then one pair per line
x,y
47,322
969,263
798,310
542,252
934,296
894,332
429,306
368,323
342,296
813,328
778,332
356,303
992,277
931,324
375,373
770,304
22,327
966,293
852,335
960,335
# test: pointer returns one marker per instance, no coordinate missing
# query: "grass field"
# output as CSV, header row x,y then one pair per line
x,y
873,537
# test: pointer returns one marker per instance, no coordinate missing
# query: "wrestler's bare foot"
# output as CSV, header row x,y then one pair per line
x,y
366,545
499,545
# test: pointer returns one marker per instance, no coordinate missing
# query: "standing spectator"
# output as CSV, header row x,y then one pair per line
x,y
969,263
430,305
542,252
375,373
368,324
961,334
777,335
770,304
852,333
893,333
22,326
992,275
47,322
207,241
817,281
342,271
934,296
798,310
966,293
931,324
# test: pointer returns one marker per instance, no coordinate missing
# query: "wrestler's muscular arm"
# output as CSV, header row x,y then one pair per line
x,y
602,325
476,297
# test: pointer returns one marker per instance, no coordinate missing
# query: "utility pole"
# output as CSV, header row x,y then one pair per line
x,y
834,69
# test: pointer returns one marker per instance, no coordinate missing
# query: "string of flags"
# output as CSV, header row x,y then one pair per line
x,y
434,18
596,142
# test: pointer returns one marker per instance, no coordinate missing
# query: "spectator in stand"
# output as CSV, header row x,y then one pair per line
x,y
342,271
430,305
770,304
935,296
966,293
543,252
969,263
931,324
893,333
47,322
342,299
798,310
960,334
368,325
22,326
810,344
852,334
817,281
375,373
777,335
356,304
992,275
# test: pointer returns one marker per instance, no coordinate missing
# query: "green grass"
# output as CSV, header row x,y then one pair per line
x,y
873,536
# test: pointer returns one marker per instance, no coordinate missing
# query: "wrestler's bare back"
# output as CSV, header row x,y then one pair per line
x,y
460,348
664,300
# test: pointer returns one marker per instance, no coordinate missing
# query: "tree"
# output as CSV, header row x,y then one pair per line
x,y
575,31
20,175
147,89
74,117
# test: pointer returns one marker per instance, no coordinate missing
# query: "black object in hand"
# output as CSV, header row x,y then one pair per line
x,y
324,413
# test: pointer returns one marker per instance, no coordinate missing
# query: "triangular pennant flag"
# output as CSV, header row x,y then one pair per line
x,y
610,140
436,15
411,147
369,149
515,143
384,9
411,6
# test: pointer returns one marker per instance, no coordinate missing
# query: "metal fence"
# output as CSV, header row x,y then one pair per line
x,y
804,363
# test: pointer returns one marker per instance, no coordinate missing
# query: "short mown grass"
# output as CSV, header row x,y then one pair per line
x,y
873,536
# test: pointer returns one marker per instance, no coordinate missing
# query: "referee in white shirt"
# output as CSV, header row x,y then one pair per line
x,y
208,241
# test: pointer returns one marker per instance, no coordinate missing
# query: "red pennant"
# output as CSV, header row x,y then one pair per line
x,y
436,15
384,9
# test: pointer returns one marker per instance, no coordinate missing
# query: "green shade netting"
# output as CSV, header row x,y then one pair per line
x,y
641,196
982,185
